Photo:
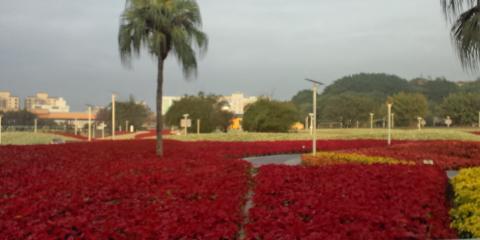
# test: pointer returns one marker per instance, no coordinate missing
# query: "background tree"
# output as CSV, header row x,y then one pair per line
x,y
206,108
465,16
161,27
471,87
136,113
462,108
303,101
348,108
24,118
407,108
269,116
377,85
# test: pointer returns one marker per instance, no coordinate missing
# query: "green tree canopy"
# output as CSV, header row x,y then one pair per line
x,y
23,118
161,27
348,108
206,108
407,107
377,85
462,108
303,101
269,116
136,113
435,90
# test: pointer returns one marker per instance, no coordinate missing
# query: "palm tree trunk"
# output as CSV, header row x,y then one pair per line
x,y
159,107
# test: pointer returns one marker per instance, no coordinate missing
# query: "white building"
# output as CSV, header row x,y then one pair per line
x,y
41,101
9,102
167,103
237,102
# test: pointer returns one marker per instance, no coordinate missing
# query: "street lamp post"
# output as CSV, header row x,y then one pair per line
x,y
89,123
371,120
126,126
35,125
185,117
76,125
113,116
389,137
1,116
314,117
311,123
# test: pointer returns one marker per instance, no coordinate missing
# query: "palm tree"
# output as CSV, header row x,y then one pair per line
x,y
465,16
161,27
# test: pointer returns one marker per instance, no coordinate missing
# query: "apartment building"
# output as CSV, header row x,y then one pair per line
x,y
9,102
41,102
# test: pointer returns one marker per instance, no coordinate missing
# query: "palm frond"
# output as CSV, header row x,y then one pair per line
x,y
453,8
161,26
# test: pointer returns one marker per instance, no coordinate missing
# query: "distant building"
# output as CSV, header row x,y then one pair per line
x,y
9,102
167,103
237,102
41,101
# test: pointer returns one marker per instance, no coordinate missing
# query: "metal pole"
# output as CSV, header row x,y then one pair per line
x,y
76,124
314,143
89,123
35,125
0,129
103,130
126,126
371,120
113,116
389,138
186,119
198,126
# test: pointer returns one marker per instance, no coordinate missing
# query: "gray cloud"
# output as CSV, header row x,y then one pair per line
x,y
69,48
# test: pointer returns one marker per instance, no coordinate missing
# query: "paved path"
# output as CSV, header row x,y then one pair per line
x,y
286,159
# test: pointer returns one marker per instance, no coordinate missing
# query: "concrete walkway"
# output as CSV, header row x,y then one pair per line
x,y
285,159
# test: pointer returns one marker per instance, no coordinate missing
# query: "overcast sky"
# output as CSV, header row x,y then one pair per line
x,y
260,47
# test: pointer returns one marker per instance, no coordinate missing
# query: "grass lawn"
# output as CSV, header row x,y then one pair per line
x,y
397,134
29,138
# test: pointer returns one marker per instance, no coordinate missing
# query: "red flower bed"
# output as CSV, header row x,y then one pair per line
x,y
350,202
445,154
119,190
476,133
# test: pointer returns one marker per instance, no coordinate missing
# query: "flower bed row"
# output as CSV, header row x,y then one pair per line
x,y
350,202
330,158
466,214
121,190
445,154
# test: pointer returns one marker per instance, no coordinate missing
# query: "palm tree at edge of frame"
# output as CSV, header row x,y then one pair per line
x,y
465,16
161,27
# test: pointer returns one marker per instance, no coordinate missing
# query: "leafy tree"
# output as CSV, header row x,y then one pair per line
x,y
465,16
206,108
135,113
462,108
349,108
471,87
269,116
303,102
435,90
161,27
377,85
24,118
407,108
